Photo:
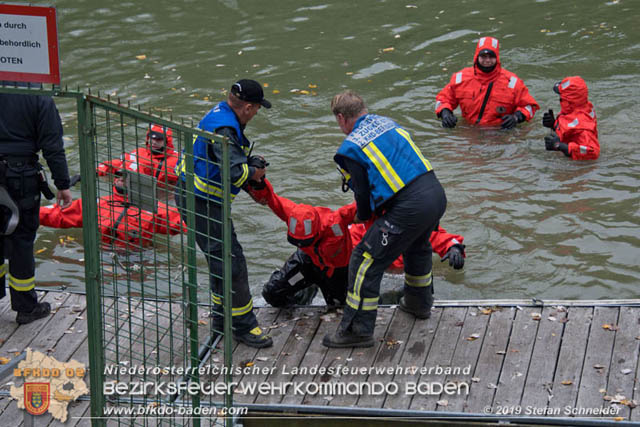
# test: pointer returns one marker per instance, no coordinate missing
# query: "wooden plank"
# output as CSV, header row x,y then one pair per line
x,y
417,349
487,371
537,387
267,357
292,352
518,356
357,357
440,354
623,374
269,320
599,349
314,355
389,354
466,354
362,357
571,359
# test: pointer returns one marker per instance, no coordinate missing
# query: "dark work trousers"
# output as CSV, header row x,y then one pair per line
x,y
298,273
17,248
209,239
404,229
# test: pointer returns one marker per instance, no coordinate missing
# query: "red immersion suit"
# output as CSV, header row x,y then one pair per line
x,y
468,88
145,160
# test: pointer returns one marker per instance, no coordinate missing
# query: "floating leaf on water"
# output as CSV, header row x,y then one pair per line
x,y
304,92
265,84
141,57
411,6
388,49
312,86
275,91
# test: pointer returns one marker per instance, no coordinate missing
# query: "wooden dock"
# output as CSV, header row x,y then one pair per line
x,y
560,359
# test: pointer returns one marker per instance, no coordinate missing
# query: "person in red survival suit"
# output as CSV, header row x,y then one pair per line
x,y
488,94
325,239
157,158
575,130
121,224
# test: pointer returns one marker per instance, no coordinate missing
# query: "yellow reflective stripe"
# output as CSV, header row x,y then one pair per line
x,y
406,136
3,270
243,177
418,281
22,284
242,310
384,167
209,188
353,301
370,303
216,299
362,270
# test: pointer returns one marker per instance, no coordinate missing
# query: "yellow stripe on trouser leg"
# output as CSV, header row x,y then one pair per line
x,y
3,270
22,284
362,270
216,299
242,310
369,304
417,281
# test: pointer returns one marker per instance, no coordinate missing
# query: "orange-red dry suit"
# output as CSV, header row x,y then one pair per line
x,y
468,88
121,224
145,160
577,124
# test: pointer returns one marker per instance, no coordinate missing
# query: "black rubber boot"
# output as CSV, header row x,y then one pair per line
x,y
420,309
255,338
42,309
342,339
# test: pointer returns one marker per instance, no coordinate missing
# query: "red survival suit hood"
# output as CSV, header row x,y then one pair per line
x,y
492,44
304,224
161,132
574,94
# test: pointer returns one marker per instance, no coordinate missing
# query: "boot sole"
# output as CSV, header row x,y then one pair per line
x,y
254,344
331,344
422,316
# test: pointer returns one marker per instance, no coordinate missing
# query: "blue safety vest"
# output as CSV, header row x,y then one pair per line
x,y
207,176
388,154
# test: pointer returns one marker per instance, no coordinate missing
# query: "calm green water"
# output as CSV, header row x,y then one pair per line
x,y
535,224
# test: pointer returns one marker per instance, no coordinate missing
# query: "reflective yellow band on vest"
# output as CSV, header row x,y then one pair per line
x,y
22,284
418,281
3,270
384,167
209,188
216,299
406,136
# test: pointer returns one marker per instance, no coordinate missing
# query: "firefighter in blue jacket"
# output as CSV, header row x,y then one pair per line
x,y
229,119
389,176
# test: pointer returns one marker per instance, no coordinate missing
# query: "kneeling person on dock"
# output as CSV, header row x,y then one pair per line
x,y
389,175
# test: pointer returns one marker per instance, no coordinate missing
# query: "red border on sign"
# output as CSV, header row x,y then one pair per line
x,y
52,36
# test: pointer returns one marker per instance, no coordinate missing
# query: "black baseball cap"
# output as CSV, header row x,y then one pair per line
x,y
250,91
487,52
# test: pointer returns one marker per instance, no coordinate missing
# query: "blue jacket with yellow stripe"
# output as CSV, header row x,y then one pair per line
x,y
388,154
207,155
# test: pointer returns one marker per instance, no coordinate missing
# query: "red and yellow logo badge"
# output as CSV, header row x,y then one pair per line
x,y
36,398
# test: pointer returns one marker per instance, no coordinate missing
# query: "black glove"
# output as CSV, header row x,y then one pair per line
x,y
260,163
510,121
551,142
548,119
74,180
449,120
455,256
